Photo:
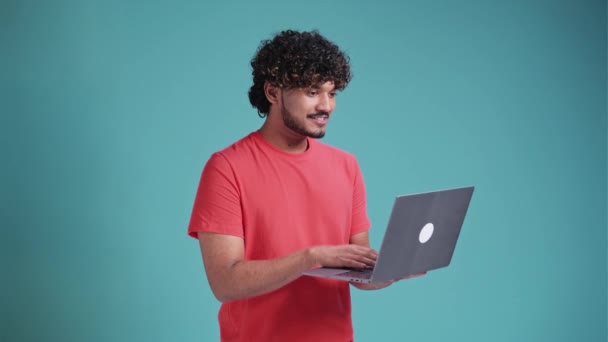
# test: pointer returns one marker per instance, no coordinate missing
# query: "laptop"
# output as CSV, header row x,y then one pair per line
x,y
421,236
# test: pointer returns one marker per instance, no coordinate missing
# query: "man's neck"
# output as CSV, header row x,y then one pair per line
x,y
284,140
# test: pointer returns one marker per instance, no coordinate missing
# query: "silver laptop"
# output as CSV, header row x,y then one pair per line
x,y
421,236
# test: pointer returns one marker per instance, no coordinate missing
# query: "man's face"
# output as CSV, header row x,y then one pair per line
x,y
306,111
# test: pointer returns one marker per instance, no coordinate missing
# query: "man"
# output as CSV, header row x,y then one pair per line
x,y
278,202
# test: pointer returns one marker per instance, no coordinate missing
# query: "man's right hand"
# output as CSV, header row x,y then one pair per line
x,y
353,256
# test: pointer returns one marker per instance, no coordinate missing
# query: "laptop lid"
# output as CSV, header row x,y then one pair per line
x,y
422,233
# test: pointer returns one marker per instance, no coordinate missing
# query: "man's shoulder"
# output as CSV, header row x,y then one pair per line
x,y
237,149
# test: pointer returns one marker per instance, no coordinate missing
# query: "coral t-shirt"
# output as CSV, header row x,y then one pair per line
x,y
279,203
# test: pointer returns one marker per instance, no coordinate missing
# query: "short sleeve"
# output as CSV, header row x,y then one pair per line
x,y
217,205
360,218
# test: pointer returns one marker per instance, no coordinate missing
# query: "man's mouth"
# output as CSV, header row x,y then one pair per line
x,y
320,119
318,116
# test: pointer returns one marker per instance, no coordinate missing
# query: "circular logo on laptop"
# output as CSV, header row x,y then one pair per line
x,y
426,232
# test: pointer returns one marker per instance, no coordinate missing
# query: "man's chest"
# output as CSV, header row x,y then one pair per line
x,y
292,208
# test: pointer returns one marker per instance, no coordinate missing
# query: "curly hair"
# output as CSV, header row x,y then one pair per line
x,y
295,59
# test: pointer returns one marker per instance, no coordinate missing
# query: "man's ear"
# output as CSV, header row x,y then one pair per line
x,y
273,93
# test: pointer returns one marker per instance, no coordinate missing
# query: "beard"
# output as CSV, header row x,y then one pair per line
x,y
299,127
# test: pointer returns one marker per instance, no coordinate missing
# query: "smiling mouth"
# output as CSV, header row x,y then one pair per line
x,y
319,119
318,116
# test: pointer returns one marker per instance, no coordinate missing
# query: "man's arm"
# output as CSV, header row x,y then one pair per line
x,y
231,277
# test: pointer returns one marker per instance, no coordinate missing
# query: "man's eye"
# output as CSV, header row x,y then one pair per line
x,y
313,93
333,94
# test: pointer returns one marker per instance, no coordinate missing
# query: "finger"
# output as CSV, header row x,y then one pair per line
x,y
355,264
363,250
359,260
366,252
414,275
367,262
360,256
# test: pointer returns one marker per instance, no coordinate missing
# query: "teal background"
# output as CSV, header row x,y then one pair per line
x,y
110,110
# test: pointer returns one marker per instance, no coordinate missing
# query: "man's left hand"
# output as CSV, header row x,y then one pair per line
x,y
378,286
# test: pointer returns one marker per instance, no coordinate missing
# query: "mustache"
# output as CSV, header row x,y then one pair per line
x,y
317,114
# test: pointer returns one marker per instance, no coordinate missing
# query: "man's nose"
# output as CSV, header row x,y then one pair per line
x,y
324,104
